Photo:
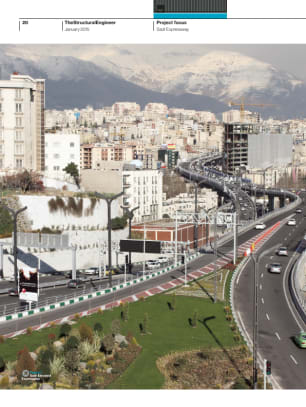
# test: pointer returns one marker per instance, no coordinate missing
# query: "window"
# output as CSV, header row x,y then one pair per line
x,y
72,156
0,107
1,123
18,93
56,168
18,121
1,135
19,163
19,148
46,168
1,163
71,144
18,108
56,156
18,135
46,156
1,149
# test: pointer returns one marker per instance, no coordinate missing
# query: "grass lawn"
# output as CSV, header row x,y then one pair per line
x,y
169,331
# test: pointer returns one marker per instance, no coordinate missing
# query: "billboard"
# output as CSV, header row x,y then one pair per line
x,y
140,246
28,284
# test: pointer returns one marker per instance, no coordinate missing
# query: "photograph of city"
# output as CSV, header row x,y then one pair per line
x,y
152,217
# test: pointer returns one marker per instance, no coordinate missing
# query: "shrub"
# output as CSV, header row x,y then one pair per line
x,y
75,332
64,330
72,360
125,311
229,317
227,309
86,333
2,339
115,327
108,344
29,330
2,364
240,383
72,343
76,317
51,338
195,318
237,338
24,362
98,327
4,382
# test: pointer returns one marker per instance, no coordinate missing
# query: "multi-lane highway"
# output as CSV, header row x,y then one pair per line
x,y
278,320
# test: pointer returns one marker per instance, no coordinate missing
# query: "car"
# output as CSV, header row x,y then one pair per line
x,y
69,274
299,210
13,292
291,222
163,260
75,283
275,268
154,264
260,226
300,339
91,271
282,251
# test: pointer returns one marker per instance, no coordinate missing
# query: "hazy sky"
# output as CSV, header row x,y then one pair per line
x,y
290,58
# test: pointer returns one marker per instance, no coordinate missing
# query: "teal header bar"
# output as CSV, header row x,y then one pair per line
x,y
187,16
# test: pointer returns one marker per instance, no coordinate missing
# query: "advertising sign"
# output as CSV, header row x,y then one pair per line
x,y
28,284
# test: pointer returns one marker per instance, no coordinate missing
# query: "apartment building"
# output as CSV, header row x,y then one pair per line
x,y
111,152
22,105
142,188
86,156
60,150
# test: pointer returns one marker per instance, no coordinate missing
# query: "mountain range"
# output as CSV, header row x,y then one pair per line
x,y
206,82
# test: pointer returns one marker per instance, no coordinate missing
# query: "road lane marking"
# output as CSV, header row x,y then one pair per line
x,y
277,335
262,300
260,287
271,257
262,273
268,318
294,360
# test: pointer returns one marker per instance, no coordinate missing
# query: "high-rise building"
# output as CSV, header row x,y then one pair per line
x,y
22,106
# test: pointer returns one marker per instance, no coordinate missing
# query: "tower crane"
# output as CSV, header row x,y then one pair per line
x,y
242,105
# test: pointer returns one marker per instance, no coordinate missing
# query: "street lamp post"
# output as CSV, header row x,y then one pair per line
x,y
130,215
14,215
109,201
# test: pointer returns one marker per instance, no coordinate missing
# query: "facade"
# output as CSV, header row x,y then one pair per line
x,y
166,230
169,157
86,156
60,150
22,106
143,188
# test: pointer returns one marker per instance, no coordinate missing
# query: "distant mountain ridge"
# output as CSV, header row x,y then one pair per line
x,y
209,82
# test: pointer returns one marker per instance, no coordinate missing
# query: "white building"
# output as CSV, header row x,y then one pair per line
x,y
60,150
22,105
143,188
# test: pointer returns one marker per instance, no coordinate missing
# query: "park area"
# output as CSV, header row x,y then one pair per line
x,y
169,341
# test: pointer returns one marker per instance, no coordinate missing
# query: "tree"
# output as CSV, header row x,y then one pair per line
x,y
119,222
64,330
2,364
72,343
24,362
72,170
72,361
98,327
108,343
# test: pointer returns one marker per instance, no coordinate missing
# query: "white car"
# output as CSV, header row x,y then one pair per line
x,y
153,264
260,226
275,268
291,222
91,271
282,251
163,259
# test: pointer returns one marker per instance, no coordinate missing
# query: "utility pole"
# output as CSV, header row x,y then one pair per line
x,y
109,201
130,215
235,237
215,257
175,249
14,215
196,216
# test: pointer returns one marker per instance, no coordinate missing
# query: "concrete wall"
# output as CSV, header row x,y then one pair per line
x,y
102,181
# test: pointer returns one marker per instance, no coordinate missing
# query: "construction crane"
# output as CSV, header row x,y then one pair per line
x,y
242,105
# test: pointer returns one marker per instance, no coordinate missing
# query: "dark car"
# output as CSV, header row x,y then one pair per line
x,y
13,292
75,283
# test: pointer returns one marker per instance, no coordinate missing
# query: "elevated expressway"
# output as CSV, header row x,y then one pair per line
x,y
278,317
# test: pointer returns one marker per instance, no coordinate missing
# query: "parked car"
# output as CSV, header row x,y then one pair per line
x,y
91,271
300,339
13,292
75,283
260,226
282,251
291,222
275,268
